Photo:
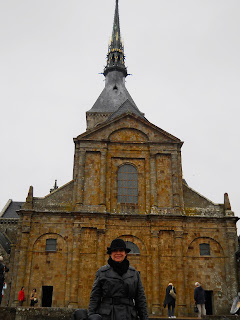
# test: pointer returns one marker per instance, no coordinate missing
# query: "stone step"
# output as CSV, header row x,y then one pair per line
x,y
28,313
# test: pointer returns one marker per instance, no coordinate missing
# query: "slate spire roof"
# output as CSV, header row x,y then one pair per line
x,y
115,94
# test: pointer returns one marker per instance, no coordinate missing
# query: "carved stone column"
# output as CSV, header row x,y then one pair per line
x,y
155,274
180,274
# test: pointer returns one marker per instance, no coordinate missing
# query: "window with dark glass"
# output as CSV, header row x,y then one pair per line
x,y
133,247
127,184
51,244
204,249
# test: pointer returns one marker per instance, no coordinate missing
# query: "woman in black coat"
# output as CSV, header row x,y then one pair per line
x,y
170,300
117,291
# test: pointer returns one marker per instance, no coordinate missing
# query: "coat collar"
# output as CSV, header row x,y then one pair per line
x,y
110,273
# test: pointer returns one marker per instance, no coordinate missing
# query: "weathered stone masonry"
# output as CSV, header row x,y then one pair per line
x,y
169,222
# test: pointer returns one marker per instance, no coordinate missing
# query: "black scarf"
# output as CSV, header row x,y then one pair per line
x,y
119,267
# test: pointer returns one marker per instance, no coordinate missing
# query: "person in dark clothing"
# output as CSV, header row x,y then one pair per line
x,y
170,300
33,298
117,292
3,269
80,314
199,297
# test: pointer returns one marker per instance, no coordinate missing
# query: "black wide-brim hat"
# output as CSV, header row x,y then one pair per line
x,y
118,244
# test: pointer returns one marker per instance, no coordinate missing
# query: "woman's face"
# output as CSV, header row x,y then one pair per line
x,y
118,255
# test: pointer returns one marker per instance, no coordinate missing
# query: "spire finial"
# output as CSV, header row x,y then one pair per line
x,y
115,56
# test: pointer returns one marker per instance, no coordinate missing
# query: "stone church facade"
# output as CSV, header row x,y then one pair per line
x,y
127,182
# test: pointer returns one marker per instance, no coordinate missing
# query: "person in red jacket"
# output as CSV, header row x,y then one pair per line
x,y
21,296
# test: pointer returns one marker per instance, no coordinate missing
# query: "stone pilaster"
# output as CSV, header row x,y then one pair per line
x,y
101,248
231,265
103,177
153,176
175,181
180,180
73,303
148,183
76,161
156,307
180,274
80,179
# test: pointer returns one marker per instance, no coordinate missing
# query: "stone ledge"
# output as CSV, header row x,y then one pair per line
x,y
28,313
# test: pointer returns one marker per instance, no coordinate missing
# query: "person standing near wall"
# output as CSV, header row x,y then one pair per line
x,y
3,269
199,297
4,288
33,298
117,291
170,300
21,296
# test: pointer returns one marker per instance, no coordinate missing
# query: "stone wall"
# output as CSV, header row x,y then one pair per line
x,y
35,313
169,252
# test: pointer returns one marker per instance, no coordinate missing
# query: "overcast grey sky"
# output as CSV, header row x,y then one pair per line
x,y
184,57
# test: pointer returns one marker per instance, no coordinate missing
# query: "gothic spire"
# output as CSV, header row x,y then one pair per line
x,y
115,56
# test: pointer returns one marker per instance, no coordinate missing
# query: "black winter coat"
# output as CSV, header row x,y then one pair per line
x,y
117,297
3,269
168,298
199,295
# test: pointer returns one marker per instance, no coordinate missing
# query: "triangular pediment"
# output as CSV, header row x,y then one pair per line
x,y
128,123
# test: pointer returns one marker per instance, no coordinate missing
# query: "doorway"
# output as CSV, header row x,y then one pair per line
x,y
209,302
47,292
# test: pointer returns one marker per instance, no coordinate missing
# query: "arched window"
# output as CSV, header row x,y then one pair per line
x,y
204,249
127,184
134,248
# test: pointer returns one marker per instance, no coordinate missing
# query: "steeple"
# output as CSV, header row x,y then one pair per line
x,y
115,94
115,56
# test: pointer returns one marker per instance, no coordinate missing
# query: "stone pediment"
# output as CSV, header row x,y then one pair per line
x,y
128,127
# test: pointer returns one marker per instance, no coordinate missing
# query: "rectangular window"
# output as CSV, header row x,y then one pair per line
x,y
51,244
204,249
